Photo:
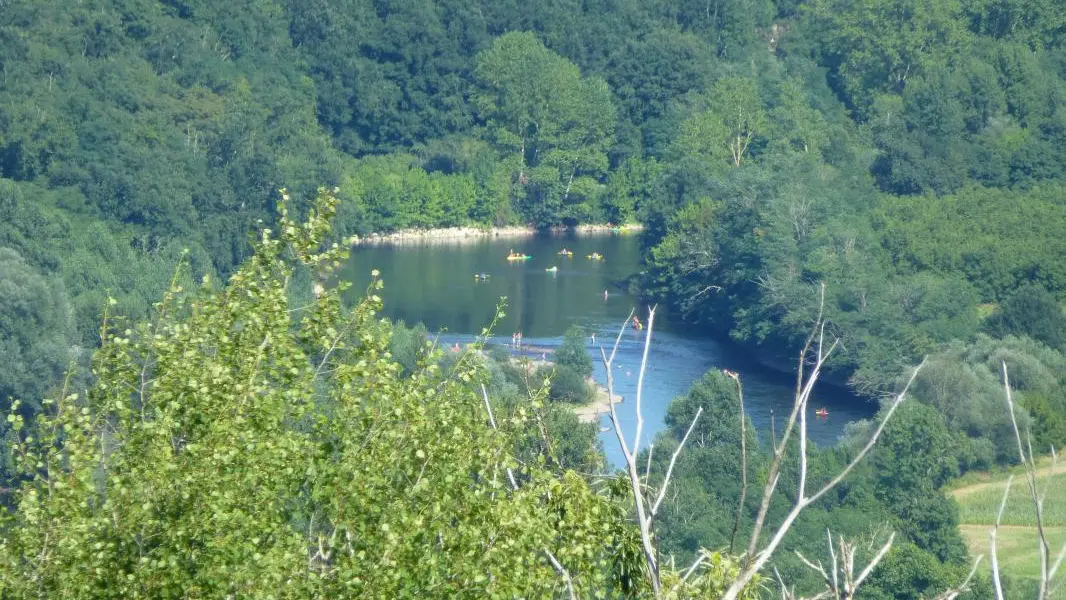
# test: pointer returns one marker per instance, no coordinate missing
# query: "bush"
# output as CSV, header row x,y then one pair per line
x,y
572,353
407,345
1049,420
568,386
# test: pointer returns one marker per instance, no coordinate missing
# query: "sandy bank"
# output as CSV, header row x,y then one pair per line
x,y
459,235
586,413
600,404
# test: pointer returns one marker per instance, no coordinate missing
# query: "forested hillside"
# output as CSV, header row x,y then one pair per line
x,y
910,155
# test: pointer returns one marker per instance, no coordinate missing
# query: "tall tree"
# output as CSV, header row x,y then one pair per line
x,y
556,125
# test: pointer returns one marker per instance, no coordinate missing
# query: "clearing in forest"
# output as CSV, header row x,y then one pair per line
x,y
1017,540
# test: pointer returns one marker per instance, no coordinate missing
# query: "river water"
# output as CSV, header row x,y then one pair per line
x,y
434,283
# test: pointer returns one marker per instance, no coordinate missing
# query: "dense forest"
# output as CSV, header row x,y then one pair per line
x,y
910,155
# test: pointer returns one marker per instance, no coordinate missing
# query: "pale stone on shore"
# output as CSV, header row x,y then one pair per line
x,y
458,235
590,413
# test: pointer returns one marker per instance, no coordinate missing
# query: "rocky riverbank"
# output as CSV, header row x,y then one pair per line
x,y
459,235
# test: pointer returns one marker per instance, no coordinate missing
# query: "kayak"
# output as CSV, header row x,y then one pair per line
x,y
594,256
519,257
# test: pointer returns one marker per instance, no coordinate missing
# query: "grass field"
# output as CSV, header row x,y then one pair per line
x,y
979,502
1019,556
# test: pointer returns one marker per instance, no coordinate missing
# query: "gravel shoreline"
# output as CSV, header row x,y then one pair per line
x,y
460,235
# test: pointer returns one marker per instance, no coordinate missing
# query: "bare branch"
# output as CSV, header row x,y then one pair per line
x,y
559,568
639,502
673,459
802,501
816,567
779,450
963,587
873,439
492,421
647,466
873,563
992,535
1058,563
832,553
743,461
844,567
1030,477
640,381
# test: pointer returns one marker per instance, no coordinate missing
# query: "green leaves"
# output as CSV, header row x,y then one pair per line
x,y
560,125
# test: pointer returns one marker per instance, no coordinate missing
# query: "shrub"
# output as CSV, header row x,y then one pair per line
x,y
568,386
572,353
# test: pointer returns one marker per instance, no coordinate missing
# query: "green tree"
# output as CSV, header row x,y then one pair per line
x,y
727,126
36,331
908,573
556,124
880,46
914,459
1030,311
572,353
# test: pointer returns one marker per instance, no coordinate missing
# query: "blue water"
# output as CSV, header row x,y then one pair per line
x,y
434,284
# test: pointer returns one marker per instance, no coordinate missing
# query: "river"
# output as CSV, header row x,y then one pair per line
x,y
434,283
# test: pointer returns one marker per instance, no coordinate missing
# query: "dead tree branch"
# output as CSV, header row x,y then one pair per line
x,y
1047,568
819,353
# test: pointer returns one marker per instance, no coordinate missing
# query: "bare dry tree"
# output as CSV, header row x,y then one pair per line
x,y
840,581
645,508
1048,566
743,458
812,358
